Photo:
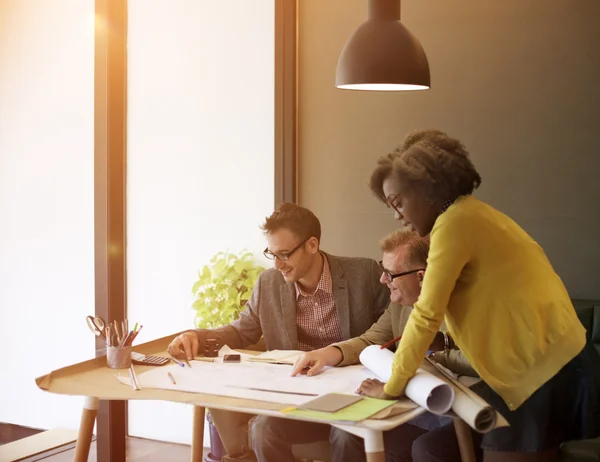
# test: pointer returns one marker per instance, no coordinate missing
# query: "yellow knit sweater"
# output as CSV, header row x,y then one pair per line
x,y
504,305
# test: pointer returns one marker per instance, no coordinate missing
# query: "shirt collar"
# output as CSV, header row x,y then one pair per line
x,y
325,283
448,203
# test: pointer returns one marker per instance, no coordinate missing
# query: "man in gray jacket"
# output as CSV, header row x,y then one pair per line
x,y
309,300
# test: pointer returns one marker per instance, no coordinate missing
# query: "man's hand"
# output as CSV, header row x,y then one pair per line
x,y
313,362
374,389
185,345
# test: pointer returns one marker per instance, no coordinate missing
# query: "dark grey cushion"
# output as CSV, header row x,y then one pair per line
x,y
586,450
581,451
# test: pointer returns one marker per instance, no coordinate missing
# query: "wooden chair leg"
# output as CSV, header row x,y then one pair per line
x,y
465,440
198,435
86,429
375,456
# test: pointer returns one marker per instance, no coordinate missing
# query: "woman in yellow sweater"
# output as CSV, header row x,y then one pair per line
x,y
504,305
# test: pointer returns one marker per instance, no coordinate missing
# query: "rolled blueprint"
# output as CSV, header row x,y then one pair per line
x,y
474,411
425,389
468,405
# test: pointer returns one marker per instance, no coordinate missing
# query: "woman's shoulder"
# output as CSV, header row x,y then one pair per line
x,y
468,210
468,203
462,220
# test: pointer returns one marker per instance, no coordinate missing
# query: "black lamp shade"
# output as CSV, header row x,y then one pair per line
x,y
383,55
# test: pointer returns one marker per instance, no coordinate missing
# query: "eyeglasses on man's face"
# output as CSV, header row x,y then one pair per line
x,y
283,256
391,276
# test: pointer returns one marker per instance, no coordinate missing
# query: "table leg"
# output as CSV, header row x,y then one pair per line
x,y
198,435
373,441
86,429
374,446
465,440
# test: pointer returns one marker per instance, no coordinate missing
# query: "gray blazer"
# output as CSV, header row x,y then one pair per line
x,y
271,311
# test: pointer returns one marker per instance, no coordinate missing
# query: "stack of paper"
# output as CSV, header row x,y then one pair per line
x,y
361,410
252,380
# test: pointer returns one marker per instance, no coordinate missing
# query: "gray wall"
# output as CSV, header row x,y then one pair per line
x,y
516,80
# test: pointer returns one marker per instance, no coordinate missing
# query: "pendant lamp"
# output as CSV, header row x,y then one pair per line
x,y
383,55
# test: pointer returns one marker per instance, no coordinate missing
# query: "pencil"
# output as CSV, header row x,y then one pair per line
x,y
391,342
134,334
176,361
134,381
172,378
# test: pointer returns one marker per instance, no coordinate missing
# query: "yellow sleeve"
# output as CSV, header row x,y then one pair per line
x,y
449,252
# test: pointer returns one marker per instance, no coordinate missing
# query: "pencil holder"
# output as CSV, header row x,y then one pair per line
x,y
118,357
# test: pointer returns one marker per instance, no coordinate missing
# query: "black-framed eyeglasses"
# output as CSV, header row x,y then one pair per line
x,y
391,276
283,256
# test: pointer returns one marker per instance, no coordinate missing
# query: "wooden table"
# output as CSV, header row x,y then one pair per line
x,y
94,380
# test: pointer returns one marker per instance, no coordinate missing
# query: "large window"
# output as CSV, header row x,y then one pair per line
x,y
200,160
208,120
46,202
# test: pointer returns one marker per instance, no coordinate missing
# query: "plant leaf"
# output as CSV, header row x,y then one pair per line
x,y
223,288
245,296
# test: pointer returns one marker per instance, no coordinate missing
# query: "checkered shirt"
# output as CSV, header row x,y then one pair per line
x,y
317,317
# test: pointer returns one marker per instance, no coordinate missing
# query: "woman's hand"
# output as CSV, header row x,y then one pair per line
x,y
374,389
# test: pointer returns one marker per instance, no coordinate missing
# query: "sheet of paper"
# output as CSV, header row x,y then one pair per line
x,y
252,380
425,389
278,356
361,410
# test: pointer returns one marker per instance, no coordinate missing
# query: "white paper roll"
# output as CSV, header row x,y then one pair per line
x,y
425,389
469,406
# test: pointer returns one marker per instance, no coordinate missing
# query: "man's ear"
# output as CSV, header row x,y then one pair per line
x,y
313,245
420,277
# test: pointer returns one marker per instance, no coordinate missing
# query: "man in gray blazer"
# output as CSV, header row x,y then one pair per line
x,y
309,300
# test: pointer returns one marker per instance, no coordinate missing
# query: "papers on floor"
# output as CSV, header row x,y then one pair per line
x,y
425,389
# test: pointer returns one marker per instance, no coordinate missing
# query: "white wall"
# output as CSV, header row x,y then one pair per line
x,y
46,202
200,160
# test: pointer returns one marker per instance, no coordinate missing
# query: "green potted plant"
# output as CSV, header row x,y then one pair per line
x,y
221,292
223,288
